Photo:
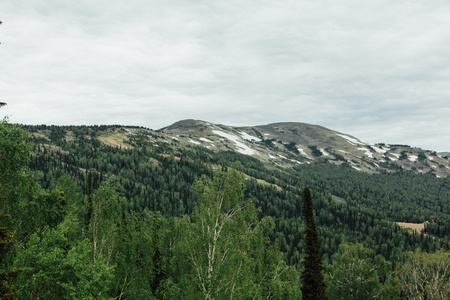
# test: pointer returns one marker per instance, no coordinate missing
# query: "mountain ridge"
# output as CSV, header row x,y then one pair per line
x,y
289,144
283,145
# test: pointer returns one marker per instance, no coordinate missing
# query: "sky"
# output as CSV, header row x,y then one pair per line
x,y
376,70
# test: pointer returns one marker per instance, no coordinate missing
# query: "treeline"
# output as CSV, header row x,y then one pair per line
x,y
142,231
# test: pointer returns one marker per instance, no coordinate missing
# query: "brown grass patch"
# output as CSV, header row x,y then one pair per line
x,y
418,227
115,140
263,182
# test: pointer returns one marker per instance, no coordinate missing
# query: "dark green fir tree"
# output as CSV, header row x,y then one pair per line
x,y
6,292
90,205
313,285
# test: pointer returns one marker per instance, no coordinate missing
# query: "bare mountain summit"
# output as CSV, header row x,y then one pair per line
x,y
291,144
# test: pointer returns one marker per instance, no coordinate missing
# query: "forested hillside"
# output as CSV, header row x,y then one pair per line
x,y
104,219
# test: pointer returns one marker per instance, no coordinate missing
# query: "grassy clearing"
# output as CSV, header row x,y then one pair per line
x,y
418,227
116,140
263,182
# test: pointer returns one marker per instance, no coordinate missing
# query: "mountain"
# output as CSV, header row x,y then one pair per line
x,y
290,144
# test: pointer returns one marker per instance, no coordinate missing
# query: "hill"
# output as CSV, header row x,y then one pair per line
x,y
291,144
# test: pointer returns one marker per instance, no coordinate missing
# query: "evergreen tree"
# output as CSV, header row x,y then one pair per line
x,y
6,243
90,207
313,285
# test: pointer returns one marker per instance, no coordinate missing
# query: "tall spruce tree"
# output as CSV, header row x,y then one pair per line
x,y
90,205
313,285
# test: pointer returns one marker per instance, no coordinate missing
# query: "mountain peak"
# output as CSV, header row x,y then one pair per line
x,y
188,123
289,144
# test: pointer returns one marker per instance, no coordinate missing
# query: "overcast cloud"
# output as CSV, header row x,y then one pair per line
x,y
378,70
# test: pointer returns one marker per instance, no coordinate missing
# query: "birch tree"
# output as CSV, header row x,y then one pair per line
x,y
217,242
106,212
426,275
355,275
221,226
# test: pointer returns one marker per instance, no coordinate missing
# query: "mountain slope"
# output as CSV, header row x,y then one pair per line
x,y
291,144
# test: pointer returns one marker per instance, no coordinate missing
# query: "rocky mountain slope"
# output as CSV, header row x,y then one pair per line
x,y
290,144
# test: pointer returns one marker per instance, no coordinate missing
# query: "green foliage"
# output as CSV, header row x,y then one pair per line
x,y
315,152
51,206
150,181
54,270
422,156
227,248
403,155
313,285
425,275
292,147
14,153
90,204
134,249
6,243
13,158
355,274
106,213
151,255
159,272
268,142
215,242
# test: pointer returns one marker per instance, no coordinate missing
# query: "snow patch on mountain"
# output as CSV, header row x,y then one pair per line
x,y
413,158
249,137
351,140
367,152
302,152
380,150
205,140
241,147
397,156
356,168
194,142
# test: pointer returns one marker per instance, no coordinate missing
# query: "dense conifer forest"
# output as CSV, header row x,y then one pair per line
x,y
156,221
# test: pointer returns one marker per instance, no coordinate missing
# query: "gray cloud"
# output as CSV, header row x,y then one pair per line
x,y
378,70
